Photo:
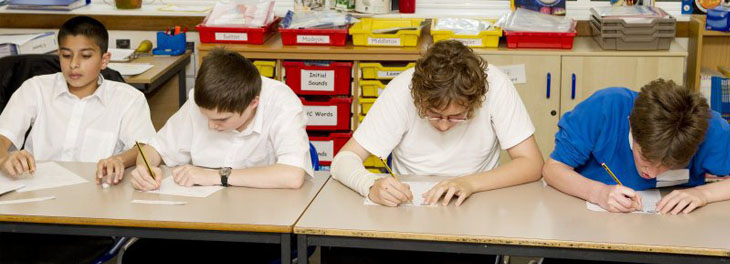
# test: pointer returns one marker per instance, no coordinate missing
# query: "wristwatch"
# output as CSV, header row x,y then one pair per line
x,y
224,172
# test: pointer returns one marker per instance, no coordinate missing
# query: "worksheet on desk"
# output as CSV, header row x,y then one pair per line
x,y
417,189
169,187
47,175
649,199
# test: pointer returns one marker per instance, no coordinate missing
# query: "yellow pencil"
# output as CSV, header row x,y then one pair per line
x,y
389,171
144,158
611,173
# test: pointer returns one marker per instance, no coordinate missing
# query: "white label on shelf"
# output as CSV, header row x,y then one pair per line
x,y
516,73
388,74
321,115
231,36
470,42
325,149
316,39
318,80
384,41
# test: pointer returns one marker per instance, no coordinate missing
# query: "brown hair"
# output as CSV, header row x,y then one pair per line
x,y
449,72
669,122
226,82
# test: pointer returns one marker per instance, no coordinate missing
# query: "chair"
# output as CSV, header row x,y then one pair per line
x,y
313,155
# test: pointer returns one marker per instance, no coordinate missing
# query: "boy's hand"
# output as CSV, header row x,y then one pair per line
x,y
448,188
189,175
17,163
112,168
390,192
143,181
681,201
619,199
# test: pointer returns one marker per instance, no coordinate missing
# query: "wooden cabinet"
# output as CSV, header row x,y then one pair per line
x,y
583,75
706,49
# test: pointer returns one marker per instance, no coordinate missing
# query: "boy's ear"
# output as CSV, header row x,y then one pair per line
x,y
105,58
255,102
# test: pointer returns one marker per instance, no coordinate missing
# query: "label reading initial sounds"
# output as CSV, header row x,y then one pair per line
x,y
321,115
318,80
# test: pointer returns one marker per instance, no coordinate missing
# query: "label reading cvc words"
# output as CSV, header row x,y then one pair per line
x,y
321,115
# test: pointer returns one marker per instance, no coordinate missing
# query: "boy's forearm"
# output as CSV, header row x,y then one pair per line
x,y
518,171
128,158
5,144
565,179
274,176
716,192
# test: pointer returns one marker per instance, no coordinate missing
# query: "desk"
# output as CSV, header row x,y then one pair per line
x,y
235,214
527,220
159,86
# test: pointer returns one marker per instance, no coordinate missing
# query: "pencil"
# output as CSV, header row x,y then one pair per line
x,y
388,168
611,173
144,158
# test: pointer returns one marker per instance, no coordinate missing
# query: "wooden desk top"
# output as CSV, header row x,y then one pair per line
x,y
230,209
529,215
161,64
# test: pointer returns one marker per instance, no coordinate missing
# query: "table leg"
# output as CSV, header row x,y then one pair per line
x,y
302,257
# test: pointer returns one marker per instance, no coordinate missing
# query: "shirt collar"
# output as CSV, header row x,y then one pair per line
x,y
257,122
62,88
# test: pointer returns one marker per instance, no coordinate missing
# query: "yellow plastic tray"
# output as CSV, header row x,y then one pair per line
x,y
360,117
266,68
371,88
376,70
485,39
365,104
373,162
362,32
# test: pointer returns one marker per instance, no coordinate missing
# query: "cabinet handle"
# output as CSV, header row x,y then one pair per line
x,y
572,88
548,86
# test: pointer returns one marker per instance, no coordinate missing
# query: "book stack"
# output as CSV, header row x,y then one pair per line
x,y
63,5
632,27
28,44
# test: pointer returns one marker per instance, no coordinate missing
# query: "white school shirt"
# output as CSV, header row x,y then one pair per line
x,y
66,128
393,125
276,135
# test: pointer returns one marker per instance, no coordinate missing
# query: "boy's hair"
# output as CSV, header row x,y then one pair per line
x,y
87,27
226,82
448,73
669,122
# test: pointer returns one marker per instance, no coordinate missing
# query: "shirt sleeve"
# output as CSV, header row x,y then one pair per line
x,y
20,112
713,152
578,133
136,123
174,140
509,116
388,119
289,136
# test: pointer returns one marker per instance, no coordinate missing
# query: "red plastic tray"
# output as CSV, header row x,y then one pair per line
x,y
312,79
237,35
329,145
314,37
332,114
543,40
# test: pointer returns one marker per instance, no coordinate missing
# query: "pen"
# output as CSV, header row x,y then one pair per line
x,y
611,173
388,168
144,158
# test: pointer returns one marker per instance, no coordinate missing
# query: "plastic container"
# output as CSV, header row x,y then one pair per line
x,y
328,145
407,6
314,37
656,41
360,118
170,45
614,22
545,40
376,70
331,114
371,88
619,26
237,35
362,32
485,39
718,19
365,104
306,78
266,68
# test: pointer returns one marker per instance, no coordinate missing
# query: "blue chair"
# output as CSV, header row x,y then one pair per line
x,y
314,156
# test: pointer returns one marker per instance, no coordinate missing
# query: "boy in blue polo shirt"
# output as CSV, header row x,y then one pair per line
x,y
640,136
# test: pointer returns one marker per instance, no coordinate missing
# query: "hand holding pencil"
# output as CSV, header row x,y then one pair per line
x,y
618,198
389,191
144,176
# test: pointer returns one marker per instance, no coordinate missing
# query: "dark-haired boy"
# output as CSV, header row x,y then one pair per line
x,y
639,136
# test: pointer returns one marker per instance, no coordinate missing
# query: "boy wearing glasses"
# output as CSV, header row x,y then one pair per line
x,y
447,117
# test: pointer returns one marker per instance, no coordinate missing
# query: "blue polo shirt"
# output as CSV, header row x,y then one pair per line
x,y
597,131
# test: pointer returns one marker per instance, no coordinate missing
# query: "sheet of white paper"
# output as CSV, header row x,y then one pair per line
x,y
18,39
160,202
121,55
29,200
417,189
7,187
649,199
130,68
169,187
672,178
516,73
47,175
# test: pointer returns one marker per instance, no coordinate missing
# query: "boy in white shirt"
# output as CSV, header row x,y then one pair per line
x,y
449,116
76,115
238,128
